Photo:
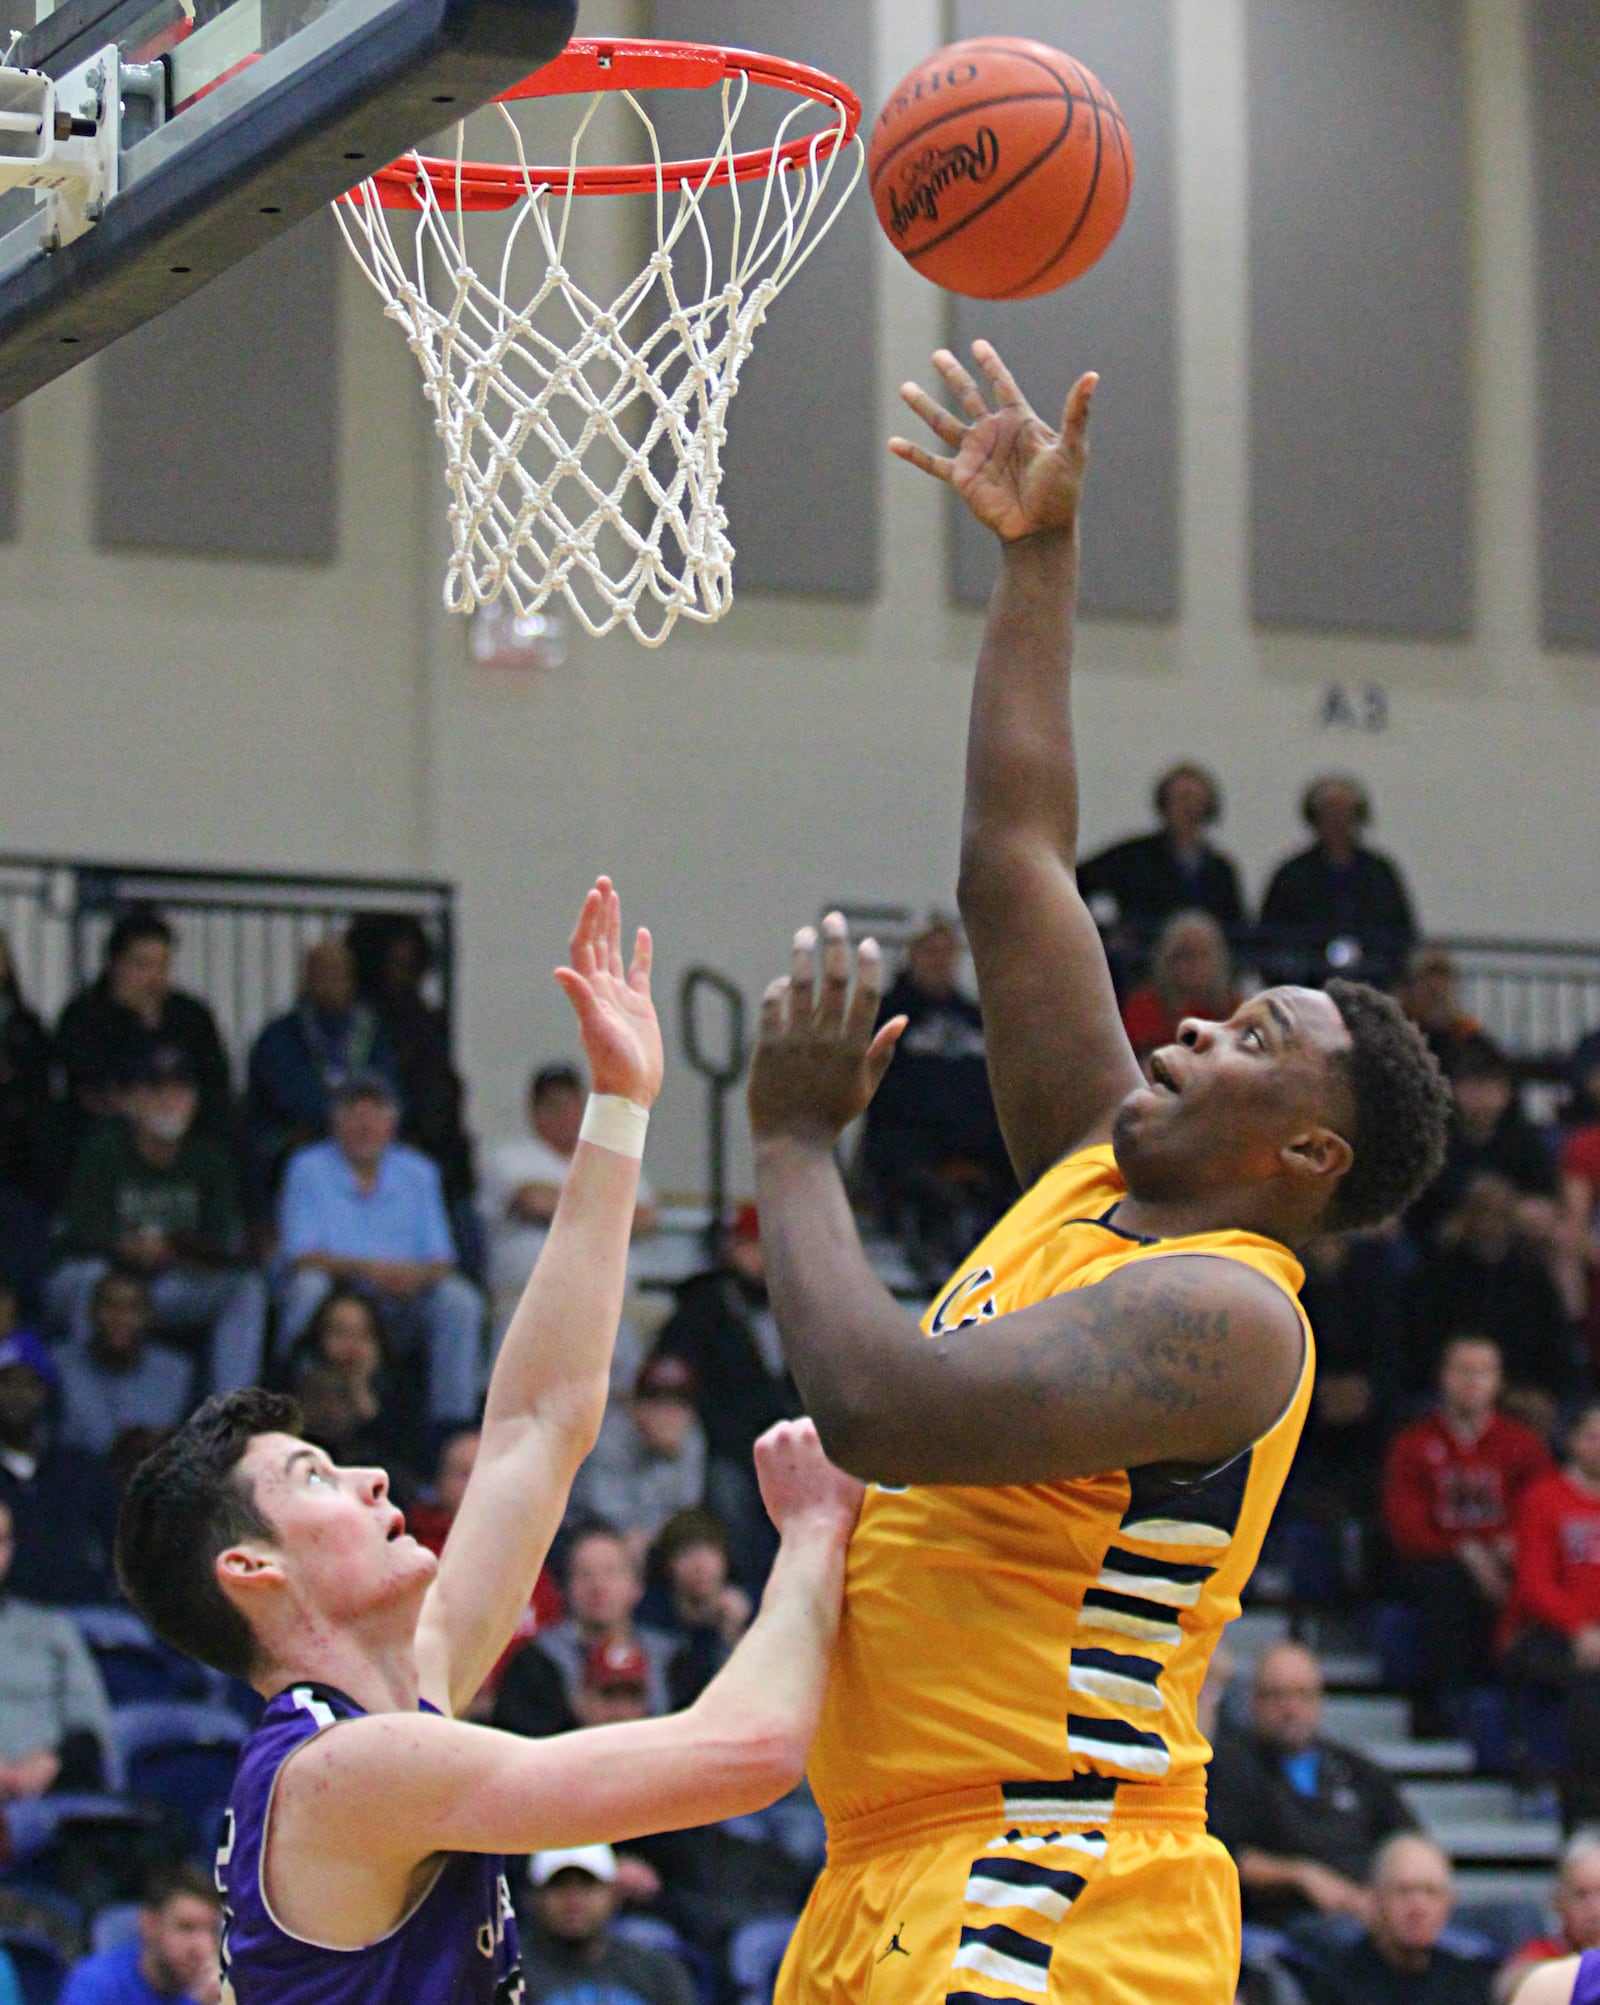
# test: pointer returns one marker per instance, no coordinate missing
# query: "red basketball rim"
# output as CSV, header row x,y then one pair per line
x,y
606,63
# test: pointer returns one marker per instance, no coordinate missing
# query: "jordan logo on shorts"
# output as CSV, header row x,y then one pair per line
x,y
896,1947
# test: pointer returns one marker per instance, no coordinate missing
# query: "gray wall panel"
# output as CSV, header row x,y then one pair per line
x,y
10,477
1360,396
1566,73
217,426
800,490
1119,318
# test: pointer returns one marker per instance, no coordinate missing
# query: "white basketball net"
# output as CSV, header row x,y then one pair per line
x,y
583,441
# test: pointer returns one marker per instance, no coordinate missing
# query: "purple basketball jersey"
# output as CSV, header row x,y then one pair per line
x,y
458,1945
1586,1986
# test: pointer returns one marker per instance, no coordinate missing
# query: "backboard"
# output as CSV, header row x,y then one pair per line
x,y
197,130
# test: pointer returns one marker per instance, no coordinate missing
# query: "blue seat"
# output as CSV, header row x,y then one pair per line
x,y
34,1821
41,1968
114,1926
179,1754
754,1954
136,1666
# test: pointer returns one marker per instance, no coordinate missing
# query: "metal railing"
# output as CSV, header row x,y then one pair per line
x,y
1536,998
241,934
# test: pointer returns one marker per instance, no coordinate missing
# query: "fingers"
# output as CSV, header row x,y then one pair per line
x,y
960,384
577,991
1001,381
933,414
774,1010
644,953
880,1053
941,469
611,936
1075,416
835,971
582,946
803,972
869,991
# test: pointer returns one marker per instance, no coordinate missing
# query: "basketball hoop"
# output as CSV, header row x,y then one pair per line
x,y
567,422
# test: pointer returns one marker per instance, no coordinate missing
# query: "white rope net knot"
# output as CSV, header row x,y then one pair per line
x,y
584,441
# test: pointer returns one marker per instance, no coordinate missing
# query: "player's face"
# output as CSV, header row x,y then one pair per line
x,y
1223,1104
342,1544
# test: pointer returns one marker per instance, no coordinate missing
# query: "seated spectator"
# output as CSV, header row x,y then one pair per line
x,y
1452,1486
1489,1131
650,1458
570,1956
27,1177
393,957
1580,1197
152,1193
1174,868
109,1029
55,1719
539,1693
364,1209
1577,1910
303,1056
724,1330
175,1958
1552,1622
1337,894
1399,1961
1431,996
1479,1277
521,1187
62,1503
339,1374
1191,974
1301,1815
931,1150
1352,1295
691,1597
119,1378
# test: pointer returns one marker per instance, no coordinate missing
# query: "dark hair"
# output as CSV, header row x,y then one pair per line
x,y
371,938
1308,800
118,1277
559,1078
1402,1108
185,1504
680,1534
310,1345
140,922
1479,1057
1186,769
573,1537
167,1882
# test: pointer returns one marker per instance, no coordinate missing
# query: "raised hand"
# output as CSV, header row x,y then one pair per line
x,y
1017,476
616,1017
798,1481
820,1056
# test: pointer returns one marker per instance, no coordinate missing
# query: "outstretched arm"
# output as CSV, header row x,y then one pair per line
x,y
548,1393
1058,1058
1177,1358
359,1808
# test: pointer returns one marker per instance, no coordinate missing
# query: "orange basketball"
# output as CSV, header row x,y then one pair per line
x,y
1000,168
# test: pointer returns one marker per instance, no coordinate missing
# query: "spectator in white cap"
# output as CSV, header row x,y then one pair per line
x,y
569,1954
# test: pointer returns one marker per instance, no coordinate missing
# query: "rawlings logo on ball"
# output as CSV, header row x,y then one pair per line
x,y
933,171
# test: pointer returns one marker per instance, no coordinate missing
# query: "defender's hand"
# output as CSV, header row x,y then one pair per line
x,y
615,1015
1017,476
819,1057
799,1482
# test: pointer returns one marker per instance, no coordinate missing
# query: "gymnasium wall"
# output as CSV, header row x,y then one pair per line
x,y
328,714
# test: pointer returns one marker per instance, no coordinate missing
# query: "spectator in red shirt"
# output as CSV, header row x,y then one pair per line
x,y
1554,1615
1580,1194
1577,1906
1451,1489
1191,974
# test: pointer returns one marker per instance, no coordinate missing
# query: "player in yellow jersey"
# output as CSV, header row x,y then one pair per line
x,y
1075,1461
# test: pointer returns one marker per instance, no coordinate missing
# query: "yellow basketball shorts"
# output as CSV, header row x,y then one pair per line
x,y
959,1900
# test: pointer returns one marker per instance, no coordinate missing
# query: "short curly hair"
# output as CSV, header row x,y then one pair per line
x,y
1402,1109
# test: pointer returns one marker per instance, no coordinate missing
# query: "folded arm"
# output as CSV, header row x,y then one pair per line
x,y
548,1392
1059,1061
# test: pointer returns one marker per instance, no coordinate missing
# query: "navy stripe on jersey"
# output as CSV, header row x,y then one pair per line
x,y
1129,1615
1118,1744
1118,1732
1032,1958
1022,1883
1140,1566
1091,1843
1116,1677
977,1998
1165,1510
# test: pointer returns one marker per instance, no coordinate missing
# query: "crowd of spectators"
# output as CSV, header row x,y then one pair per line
x,y
325,1231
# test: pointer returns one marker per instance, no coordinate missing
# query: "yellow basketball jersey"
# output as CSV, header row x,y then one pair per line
x,y
1048,1638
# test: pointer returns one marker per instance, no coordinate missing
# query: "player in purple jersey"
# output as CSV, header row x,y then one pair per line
x,y
360,1861
1575,1980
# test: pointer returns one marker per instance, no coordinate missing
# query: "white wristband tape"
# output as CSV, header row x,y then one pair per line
x,y
612,1122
